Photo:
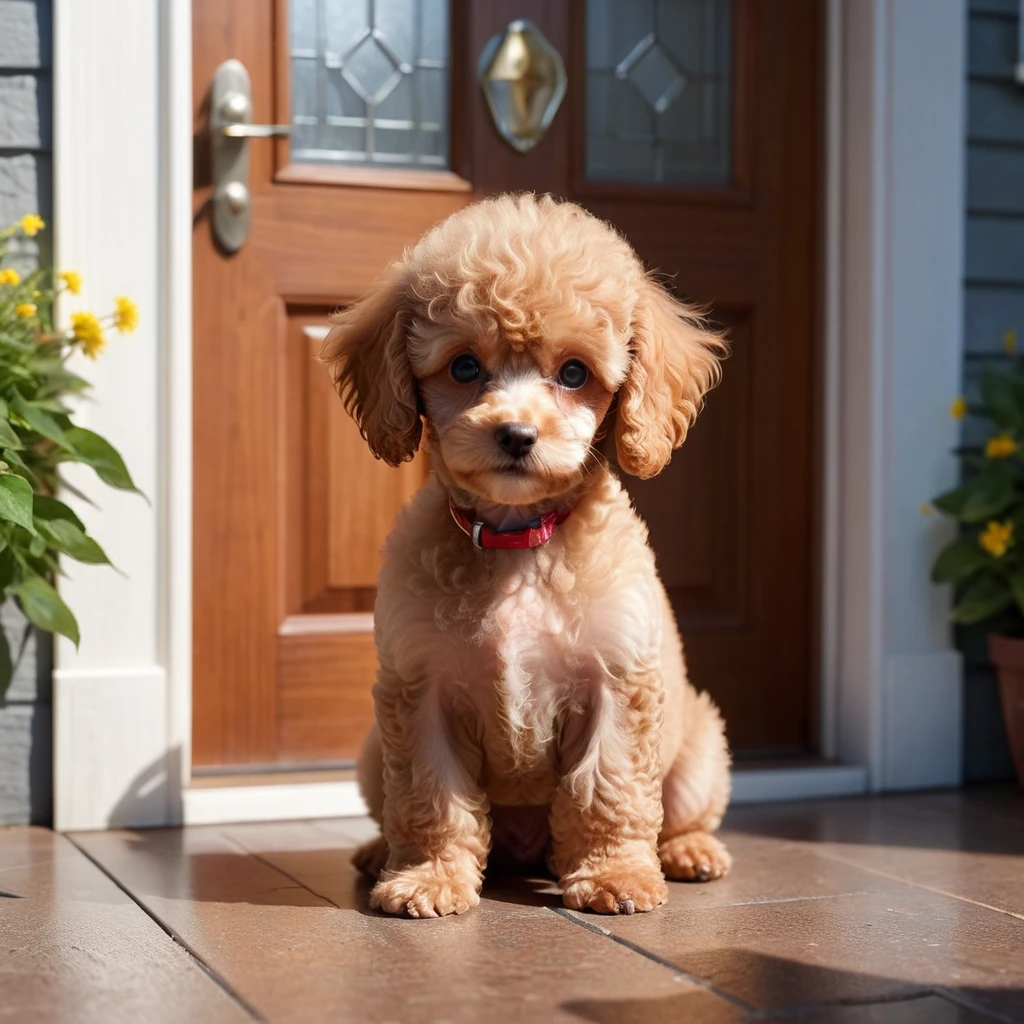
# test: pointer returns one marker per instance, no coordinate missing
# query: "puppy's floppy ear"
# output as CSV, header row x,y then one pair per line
x,y
675,362
366,354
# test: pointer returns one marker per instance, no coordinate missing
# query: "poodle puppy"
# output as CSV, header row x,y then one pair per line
x,y
531,690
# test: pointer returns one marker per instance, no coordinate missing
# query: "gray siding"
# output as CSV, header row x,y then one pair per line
x,y
25,187
993,297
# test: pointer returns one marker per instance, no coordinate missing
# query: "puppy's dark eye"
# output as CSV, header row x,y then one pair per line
x,y
573,375
465,369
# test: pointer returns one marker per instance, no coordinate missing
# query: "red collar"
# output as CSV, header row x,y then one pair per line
x,y
537,533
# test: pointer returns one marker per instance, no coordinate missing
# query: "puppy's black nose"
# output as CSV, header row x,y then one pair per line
x,y
516,438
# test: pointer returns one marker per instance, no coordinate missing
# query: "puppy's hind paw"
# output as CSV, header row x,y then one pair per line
x,y
694,857
370,857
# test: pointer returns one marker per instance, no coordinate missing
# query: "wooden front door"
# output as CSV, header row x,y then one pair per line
x,y
693,125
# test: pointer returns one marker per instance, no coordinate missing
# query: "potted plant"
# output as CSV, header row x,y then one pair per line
x,y
38,435
986,561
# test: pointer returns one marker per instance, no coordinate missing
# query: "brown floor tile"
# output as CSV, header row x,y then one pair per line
x,y
966,844
989,820
990,880
356,830
922,1010
769,870
233,895
74,947
871,946
859,911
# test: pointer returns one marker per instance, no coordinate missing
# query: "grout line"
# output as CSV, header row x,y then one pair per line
x,y
918,885
703,983
220,982
292,878
767,901
961,998
274,867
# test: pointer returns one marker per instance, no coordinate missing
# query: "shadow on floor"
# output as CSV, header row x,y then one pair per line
x,y
166,862
987,819
779,989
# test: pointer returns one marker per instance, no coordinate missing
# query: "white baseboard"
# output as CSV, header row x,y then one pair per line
x,y
290,801
283,801
112,766
770,785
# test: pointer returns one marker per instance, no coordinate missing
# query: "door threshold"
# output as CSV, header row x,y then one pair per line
x,y
765,785
283,796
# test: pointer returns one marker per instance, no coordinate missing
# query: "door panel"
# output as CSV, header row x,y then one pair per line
x,y
340,500
693,126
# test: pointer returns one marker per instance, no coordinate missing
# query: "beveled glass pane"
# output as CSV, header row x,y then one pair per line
x,y
657,92
370,82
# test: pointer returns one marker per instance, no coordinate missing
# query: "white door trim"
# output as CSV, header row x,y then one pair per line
x,y
894,222
894,342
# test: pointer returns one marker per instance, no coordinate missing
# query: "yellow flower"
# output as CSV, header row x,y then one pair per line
x,y
32,224
73,281
1002,446
87,330
126,319
1010,341
926,509
996,538
10,276
25,309
958,410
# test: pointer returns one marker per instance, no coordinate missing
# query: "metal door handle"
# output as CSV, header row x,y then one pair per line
x,y
255,131
231,128
524,81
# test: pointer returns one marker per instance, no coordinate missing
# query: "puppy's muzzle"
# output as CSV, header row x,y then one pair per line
x,y
516,439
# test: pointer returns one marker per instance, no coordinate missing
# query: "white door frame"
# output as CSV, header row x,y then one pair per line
x,y
892,336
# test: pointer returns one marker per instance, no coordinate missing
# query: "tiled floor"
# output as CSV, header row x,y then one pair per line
x,y
893,909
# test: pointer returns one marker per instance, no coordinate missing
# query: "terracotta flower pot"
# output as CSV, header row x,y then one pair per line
x,y
1007,655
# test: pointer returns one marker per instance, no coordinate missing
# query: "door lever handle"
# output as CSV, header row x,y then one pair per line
x,y
255,131
230,129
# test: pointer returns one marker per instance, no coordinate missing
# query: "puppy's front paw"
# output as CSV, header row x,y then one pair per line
x,y
694,857
424,891
614,888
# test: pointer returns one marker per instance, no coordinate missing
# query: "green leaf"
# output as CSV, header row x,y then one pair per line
x,y
982,598
8,438
952,502
7,566
17,463
99,453
50,405
6,668
72,540
958,560
975,461
80,495
16,501
41,422
45,507
1017,586
44,608
987,496
999,396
